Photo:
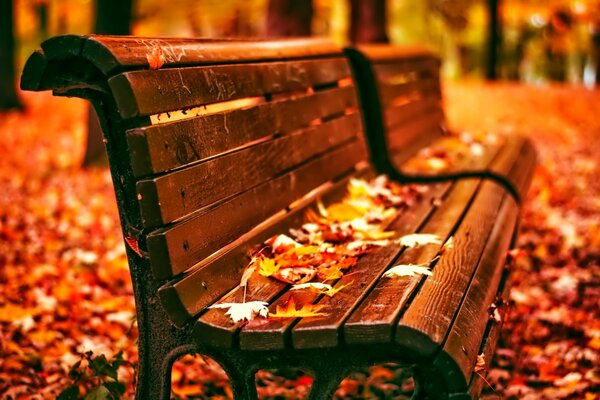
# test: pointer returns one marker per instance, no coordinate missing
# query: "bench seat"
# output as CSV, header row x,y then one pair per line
x,y
404,119
216,146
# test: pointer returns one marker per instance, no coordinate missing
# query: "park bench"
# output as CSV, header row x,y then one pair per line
x,y
401,98
215,147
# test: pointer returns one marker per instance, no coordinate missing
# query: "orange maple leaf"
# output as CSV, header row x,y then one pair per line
x,y
288,310
156,58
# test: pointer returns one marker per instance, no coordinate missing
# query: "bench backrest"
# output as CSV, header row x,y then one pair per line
x,y
401,99
217,140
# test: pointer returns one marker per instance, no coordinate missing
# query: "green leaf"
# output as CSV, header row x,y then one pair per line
x,y
101,367
98,393
74,372
117,389
70,393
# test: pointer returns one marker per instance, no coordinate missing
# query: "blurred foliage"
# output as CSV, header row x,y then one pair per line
x,y
533,49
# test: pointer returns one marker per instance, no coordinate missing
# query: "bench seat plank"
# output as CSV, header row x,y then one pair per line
x,y
375,319
425,324
327,331
213,326
464,341
274,334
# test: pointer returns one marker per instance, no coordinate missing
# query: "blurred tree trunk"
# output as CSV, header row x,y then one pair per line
x,y
368,21
494,39
289,18
8,90
41,8
113,17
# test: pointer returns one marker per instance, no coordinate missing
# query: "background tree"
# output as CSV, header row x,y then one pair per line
x,y
113,17
494,39
368,21
289,18
8,90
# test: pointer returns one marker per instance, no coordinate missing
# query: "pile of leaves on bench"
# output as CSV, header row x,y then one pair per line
x,y
324,248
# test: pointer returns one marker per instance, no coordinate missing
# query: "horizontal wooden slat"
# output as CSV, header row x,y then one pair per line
x,y
156,91
274,334
163,147
224,273
390,92
464,341
423,68
401,136
117,53
175,249
177,194
396,115
516,164
381,53
427,320
374,320
492,335
326,331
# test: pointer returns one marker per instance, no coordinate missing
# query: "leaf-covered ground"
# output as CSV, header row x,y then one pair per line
x,y
65,288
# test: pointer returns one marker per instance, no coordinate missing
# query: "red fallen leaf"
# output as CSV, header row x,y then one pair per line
x,y
156,58
133,245
303,381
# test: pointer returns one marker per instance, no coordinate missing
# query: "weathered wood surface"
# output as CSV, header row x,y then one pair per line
x,y
213,326
174,249
171,145
170,197
374,321
427,320
157,91
463,343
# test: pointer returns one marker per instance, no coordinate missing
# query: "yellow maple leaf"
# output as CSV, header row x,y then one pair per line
x,y
289,310
332,292
267,266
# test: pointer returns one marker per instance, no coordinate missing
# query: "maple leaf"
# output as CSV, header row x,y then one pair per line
x,y
419,239
267,266
281,243
343,212
312,285
329,273
156,58
407,270
480,364
244,311
295,275
333,291
289,310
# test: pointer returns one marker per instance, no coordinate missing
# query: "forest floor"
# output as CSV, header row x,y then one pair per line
x,y
65,288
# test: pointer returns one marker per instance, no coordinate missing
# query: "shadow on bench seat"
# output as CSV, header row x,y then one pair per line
x,y
225,144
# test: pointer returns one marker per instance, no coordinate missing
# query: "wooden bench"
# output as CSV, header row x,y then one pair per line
x,y
404,119
229,143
